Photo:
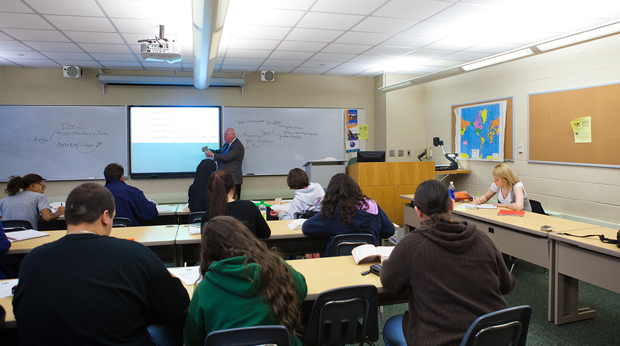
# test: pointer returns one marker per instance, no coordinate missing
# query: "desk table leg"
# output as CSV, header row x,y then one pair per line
x,y
175,256
552,282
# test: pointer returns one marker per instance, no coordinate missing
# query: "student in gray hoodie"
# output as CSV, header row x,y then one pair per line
x,y
308,195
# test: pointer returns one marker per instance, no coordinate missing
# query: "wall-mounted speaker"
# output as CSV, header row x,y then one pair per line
x,y
267,76
71,71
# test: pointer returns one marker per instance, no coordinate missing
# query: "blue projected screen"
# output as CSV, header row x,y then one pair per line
x,y
168,141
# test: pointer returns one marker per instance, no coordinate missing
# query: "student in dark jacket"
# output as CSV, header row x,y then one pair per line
x,y
453,271
345,209
130,201
5,245
198,193
222,190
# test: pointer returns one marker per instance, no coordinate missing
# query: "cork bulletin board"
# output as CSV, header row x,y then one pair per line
x,y
508,135
551,137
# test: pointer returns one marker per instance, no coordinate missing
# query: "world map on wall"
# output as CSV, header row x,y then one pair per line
x,y
480,132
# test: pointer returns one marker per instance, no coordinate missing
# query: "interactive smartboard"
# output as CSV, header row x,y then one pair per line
x,y
62,142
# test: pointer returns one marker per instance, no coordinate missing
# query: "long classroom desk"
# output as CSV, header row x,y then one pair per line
x,y
321,274
520,237
285,239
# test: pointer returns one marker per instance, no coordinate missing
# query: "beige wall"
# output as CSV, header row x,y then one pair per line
x,y
26,86
584,191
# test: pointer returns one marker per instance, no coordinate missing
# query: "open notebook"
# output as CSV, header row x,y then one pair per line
x,y
25,235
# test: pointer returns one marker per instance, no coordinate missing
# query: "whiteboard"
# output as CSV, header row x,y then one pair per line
x,y
277,140
62,142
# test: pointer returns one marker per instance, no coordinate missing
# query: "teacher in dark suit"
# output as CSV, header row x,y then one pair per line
x,y
230,158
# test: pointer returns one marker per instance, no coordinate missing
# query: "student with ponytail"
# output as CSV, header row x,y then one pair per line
x,y
244,284
221,186
453,271
26,200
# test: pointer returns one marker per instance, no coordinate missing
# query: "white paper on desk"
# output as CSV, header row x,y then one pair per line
x,y
25,235
295,225
6,288
194,228
55,205
474,206
166,208
486,206
185,207
280,207
189,275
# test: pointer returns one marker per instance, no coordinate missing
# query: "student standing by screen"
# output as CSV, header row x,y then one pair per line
x,y
510,191
30,202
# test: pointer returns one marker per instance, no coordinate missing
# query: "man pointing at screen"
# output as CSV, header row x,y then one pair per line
x,y
230,157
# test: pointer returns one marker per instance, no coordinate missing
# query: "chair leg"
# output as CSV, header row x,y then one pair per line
x,y
513,263
368,341
381,315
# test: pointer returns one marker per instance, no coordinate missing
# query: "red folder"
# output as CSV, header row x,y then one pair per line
x,y
508,212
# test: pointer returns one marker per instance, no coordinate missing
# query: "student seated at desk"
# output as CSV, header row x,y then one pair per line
x,y
130,201
345,209
222,190
308,195
245,284
5,245
453,271
30,202
88,288
198,193
510,191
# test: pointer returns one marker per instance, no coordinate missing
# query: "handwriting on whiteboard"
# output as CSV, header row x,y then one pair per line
x,y
74,135
267,132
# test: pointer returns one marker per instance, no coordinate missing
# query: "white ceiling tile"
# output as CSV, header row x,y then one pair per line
x,y
429,53
466,13
113,64
443,63
5,37
408,40
357,65
421,69
6,63
279,4
320,64
363,7
81,23
148,27
80,63
290,55
14,6
261,32
238,68
369,59
154,9
13,45
465,56
314,20
384,25
598,8
453,43
492,47
243,43
346,48
342,72
267,16
114,57
362,38
301,46
332,57
95,37
284,63
241,61
107,48
313,35
67,7
368,73
419,9
432,29
54,46
20,54
23,21
247,53
68,56
308,70
277,69
389,51
37,35
34,63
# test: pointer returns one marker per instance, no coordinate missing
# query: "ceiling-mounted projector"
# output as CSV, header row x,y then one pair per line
x,y
160,49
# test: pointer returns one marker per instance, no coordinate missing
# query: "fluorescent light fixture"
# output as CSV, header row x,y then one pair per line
x,y
581,37
498,59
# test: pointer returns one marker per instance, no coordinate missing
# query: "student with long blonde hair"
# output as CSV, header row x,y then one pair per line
x,y
510,191
244,284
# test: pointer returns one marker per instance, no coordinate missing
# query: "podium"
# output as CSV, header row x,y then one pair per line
x,y
321,171
384,182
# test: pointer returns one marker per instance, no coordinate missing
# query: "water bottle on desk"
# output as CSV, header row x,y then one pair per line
x,y
451,190
263,209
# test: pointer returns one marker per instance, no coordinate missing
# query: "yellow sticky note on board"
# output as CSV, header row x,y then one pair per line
x,y
362,131
582,129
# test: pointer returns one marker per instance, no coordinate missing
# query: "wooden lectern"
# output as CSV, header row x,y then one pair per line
x,y
386,181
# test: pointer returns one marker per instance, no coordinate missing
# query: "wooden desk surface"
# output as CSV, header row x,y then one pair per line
x,y
407,197
454,171
278,231
591,243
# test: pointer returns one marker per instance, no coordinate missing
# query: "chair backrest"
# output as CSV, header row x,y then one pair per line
x,y
537,207
15,225
196,216
306,214
507,327
344,243
249,336
121,222
342,316
2,316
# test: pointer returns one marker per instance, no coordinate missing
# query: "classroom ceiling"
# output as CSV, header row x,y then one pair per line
x,y
316,37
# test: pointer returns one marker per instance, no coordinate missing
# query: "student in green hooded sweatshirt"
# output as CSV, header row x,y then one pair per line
x,y
245,284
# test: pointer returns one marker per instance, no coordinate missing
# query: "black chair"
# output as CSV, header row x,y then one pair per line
x,y
2,316
344,243
507,327
16,225
537,207
249,336
196,217
121,222
346,315
306,214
